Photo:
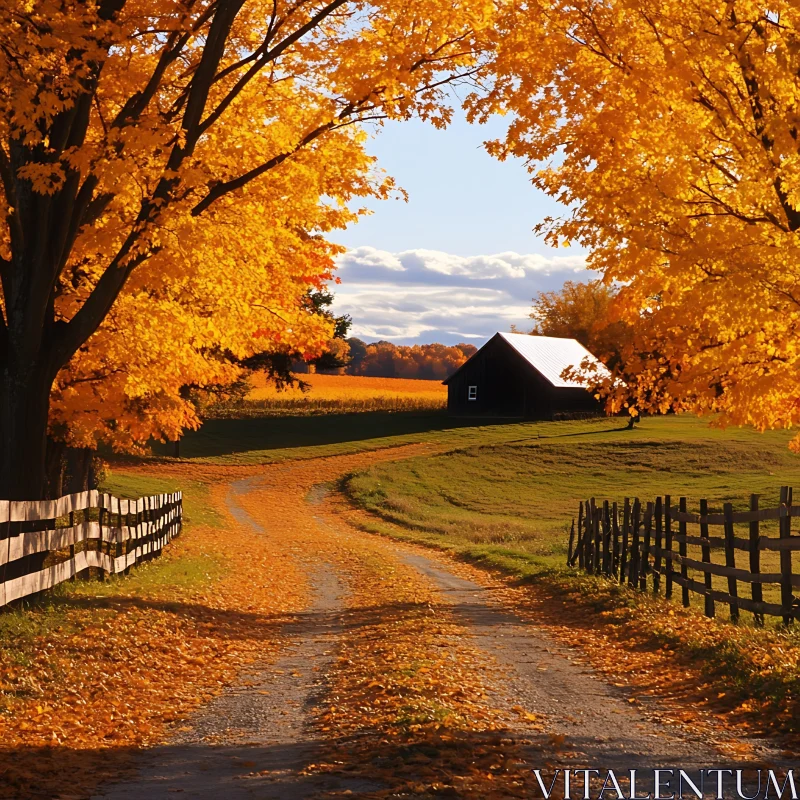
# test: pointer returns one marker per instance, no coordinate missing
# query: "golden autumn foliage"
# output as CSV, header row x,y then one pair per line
x,y
671,130
169,173
420,361
582,311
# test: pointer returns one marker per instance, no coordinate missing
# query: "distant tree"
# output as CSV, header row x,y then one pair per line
x,y
381,361
358,352
319,302
422,361
582,311
337,353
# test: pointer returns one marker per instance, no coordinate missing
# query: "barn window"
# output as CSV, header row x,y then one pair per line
x,y
473,393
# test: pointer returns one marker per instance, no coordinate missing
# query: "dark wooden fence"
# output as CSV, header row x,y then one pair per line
x,y
657,546
45,542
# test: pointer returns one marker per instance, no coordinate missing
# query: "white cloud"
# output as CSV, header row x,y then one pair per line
x,y
428,295
431,266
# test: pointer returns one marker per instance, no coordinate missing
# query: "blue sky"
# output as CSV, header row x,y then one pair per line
x,y
459,261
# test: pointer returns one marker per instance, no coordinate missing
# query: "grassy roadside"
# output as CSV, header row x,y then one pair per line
x,y
507,509
513,502
754,673
28,621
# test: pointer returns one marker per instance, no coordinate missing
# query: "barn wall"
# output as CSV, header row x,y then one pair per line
x,y
509,387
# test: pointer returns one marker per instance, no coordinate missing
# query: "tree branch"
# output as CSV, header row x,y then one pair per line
x,y
225,187
265,56
94,310
138,102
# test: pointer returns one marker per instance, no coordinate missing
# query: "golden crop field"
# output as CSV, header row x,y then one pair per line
x,y
343,394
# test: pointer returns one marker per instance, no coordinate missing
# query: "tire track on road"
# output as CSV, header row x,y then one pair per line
x,y
256,738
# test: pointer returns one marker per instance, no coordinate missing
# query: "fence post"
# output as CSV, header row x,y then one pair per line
x,y
668,545
730,561
706,550
626,523
633,570
606,539
100,514
571,542
587,538
5,527
596,563
657,554
72,546
575,551
615,536
645,558
581,536
756,589
786,555
682,549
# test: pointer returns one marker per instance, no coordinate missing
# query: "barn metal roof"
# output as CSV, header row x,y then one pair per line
x,y
551,356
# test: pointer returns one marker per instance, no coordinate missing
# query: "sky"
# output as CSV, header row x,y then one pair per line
x,y
459,261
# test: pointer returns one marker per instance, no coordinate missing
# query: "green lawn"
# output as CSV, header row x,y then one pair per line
x,y
513,503
269,439
197,507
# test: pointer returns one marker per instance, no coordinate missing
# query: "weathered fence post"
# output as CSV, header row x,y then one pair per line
x,y
587,537
606,538
615,536
668,546
786,555
645,558
633,570
72,546
683,549
571,542
596,563
581,535
575,551
5,527
626,524
730,561
756,589
657,554
706,551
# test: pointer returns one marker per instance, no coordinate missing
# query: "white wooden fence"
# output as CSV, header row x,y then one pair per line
x,y
45,542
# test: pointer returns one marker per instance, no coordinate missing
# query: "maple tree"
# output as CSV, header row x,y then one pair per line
x,y
582,311
671,131
169,169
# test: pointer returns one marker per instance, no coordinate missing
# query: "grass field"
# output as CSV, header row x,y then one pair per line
x,y
259,440
338,394
514,502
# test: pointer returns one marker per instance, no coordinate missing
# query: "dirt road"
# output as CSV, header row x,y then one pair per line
x,y
402,678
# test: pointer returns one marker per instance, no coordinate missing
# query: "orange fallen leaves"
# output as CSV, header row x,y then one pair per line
x,y
81,699
414,712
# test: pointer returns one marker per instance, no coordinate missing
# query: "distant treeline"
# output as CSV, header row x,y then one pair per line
x,y
422,361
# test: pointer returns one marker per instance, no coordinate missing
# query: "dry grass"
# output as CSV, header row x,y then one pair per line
x,y
342,394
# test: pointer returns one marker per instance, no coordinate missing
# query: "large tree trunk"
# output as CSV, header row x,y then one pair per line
x,y
24,408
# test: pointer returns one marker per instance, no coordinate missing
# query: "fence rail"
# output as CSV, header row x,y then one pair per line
x,y
46,542
647,546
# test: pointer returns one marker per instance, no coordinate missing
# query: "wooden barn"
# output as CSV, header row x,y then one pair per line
x,y
517,375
